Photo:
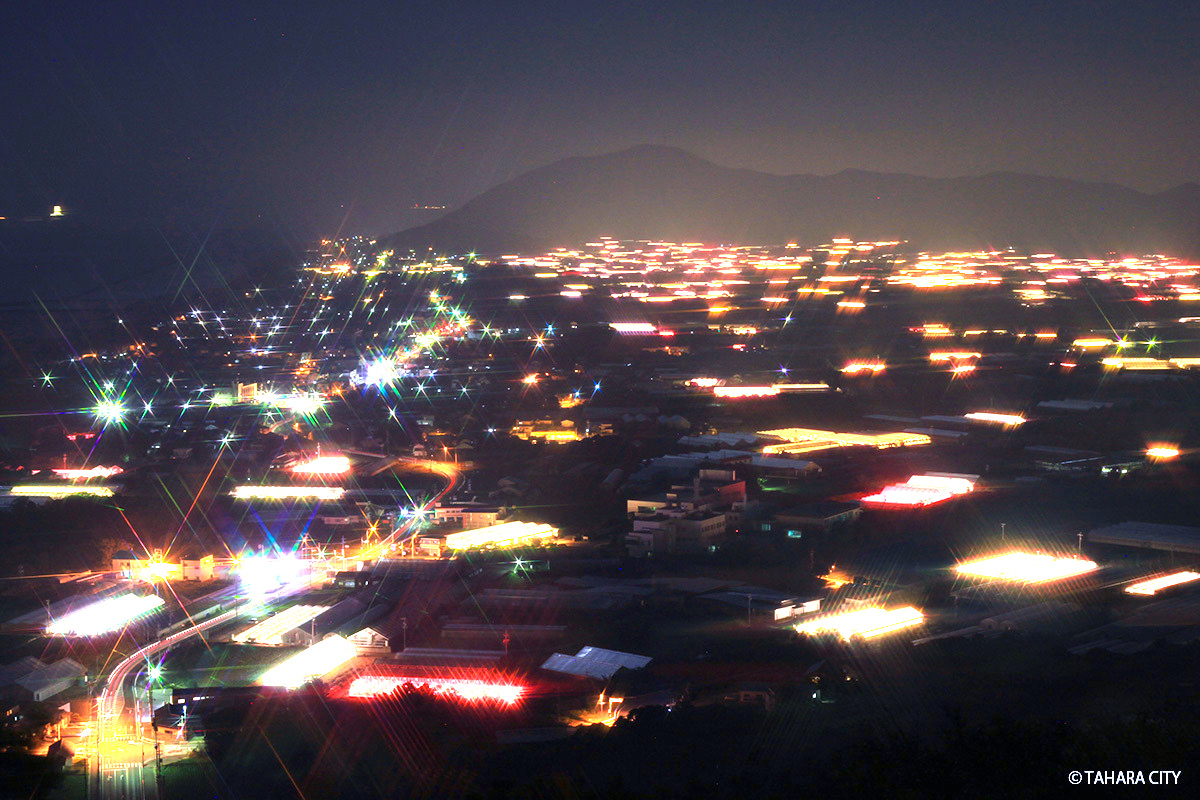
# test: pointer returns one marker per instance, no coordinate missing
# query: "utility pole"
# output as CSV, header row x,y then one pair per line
x,y
1079,550
158,777
1002,525
403,634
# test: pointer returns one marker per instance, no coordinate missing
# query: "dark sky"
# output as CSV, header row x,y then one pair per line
x,y
303,111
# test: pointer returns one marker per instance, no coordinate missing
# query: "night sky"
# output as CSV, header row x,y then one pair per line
x,y
311,115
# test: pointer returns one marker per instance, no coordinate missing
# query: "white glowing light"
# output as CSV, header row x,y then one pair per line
x,y
57,492
465,689
271,630
381,371
1162,451
1026,567
88,474
1002,419
157,571
288,492
745,391
921,490
302,403
104,616
632,327
109,411
867,623
259,575
1150,586
323,657
855,367
507,534
324,465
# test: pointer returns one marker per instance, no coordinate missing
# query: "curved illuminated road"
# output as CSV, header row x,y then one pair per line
x,y
444,469
120,778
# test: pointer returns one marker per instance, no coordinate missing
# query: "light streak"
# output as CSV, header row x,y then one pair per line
x,y
855,367
921,490
867,623
270,630
801,440
88,474
939,356
745,391
57,492
632,327
1151,585
324,465
313,662
465,689
989,416
288,492
1026,567
104,616
507,534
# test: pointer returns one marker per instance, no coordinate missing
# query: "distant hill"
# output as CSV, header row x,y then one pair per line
x,y
664,192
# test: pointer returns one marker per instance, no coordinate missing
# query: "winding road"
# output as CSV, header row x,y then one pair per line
x,y
117,777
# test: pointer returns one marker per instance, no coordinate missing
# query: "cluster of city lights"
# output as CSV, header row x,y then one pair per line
x,y
867,622
1026,567
1151,586
508,694
104,616
312,662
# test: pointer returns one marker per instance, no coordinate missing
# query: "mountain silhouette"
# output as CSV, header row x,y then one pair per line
x,y
656,192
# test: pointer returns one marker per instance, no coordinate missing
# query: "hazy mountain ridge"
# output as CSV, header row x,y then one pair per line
x,y
663,192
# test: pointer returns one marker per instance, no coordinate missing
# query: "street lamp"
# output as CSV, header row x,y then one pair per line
x,y
154,673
